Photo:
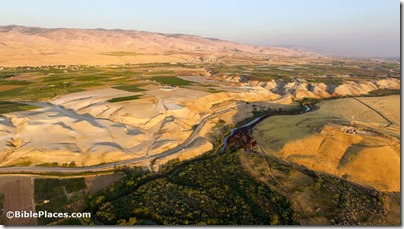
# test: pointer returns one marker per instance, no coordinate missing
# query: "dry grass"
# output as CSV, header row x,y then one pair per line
x,y
319,203
312,140
351,110
8,87
389,107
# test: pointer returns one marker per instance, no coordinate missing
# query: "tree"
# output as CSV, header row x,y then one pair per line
x,y
131,221
105,213
275,220
221,121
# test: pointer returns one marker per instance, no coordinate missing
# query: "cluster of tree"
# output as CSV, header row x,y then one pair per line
x,y
348,203
215,190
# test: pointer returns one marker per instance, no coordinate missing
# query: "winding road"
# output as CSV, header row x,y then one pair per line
x,y
109,166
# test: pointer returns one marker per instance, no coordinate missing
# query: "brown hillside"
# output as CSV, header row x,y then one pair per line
x,y
358,143
39,46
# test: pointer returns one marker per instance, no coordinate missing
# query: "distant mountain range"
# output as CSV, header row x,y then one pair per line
x,y
20,45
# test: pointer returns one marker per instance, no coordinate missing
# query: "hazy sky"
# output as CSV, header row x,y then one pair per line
x,y
339,27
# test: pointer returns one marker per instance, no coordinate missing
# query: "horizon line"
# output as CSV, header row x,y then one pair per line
x,y
287,46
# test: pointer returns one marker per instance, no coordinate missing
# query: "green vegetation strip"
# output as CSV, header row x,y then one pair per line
x,y
13,82
214,90
131,88
7,107
126,98
51,81
383,92
171,80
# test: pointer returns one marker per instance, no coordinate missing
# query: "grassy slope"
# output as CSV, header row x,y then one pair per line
x,y
321,198
310,140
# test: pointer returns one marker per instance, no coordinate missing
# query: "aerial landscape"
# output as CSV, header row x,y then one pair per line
x,y
110,124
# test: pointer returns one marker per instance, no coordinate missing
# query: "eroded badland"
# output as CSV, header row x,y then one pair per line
x,y
97,101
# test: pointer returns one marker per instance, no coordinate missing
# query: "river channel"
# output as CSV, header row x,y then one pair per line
x,y
250,125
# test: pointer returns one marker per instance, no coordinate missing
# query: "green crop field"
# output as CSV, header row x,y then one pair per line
x,y
171,80
7,107
126,98
54,191
130,87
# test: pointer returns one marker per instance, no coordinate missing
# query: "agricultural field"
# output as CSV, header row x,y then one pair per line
x,y
93,116
126,98
171,80
58,195
50,194
44,83
320,71
17,193
155,128
7,107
